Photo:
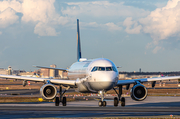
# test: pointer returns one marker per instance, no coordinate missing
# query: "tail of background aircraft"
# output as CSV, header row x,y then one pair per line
x,y
78,42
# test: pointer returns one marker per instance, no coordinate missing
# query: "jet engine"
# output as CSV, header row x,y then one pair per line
x,y
48,91
138,92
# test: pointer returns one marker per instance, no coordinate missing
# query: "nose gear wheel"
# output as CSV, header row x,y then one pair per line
x,y
102,102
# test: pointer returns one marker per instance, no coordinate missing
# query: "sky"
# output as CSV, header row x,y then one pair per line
x,y
132,33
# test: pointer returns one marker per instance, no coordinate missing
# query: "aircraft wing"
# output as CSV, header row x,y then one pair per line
x,y
53,81
51,68
133,81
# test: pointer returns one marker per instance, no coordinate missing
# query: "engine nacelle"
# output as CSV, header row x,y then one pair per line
x,y
48,91
138,92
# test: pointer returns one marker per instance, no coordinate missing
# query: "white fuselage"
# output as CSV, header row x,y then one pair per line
x,y
94,75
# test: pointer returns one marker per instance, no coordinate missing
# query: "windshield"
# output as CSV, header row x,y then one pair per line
x,y
103,69
108,68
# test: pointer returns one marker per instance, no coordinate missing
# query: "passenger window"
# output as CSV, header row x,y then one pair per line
x,y
101,69
108,68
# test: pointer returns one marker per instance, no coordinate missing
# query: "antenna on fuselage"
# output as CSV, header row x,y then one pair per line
x,y
78,42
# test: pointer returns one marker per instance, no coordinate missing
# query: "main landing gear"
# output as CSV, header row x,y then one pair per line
x,y
119,99
102,102
61,98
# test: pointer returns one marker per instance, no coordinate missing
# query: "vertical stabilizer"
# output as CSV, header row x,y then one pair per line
x,y
78,42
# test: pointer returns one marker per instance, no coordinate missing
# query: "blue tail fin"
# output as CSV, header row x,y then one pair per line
x,y
78,42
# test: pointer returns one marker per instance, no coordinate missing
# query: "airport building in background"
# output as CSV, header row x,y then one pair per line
x,y
3,71
8,71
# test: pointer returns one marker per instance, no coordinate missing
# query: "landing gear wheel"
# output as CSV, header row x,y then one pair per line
x,y
115,101
57,101
122,101
104,103
64,101
100,103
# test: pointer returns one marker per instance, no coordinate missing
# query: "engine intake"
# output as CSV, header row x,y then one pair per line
x,y
48,91
138,92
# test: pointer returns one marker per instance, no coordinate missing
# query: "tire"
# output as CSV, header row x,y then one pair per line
x,y
115,101
122,101
64,101
104,103
57,101
100,103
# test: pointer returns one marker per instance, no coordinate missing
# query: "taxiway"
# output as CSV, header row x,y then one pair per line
x,y
153,106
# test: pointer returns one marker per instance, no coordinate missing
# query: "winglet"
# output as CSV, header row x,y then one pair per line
x,y
78,42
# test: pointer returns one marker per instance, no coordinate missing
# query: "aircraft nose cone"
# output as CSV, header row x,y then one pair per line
x,y
108,77
105,81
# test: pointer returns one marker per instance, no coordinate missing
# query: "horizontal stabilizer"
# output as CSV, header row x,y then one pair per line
x,y
119,67
51,68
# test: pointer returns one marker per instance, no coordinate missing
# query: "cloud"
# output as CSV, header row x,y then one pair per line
x,y
43,14
156,49
0,32
106,14
13,4
129,24
44,30
38,12
163,22
109,26
112,26
161,4
8,10
102,9
8,17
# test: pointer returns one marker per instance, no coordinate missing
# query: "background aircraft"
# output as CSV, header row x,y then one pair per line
x,y
91,76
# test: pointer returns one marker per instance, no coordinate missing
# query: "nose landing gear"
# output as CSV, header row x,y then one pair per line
x,y
102,102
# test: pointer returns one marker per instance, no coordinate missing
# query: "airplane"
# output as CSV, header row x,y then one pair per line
x,y
91,76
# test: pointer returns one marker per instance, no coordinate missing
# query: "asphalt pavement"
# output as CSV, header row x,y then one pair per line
x,y
153,106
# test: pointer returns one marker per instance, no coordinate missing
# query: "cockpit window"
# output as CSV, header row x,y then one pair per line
x,y
108,68
101,69
94,69
104,69
114,69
